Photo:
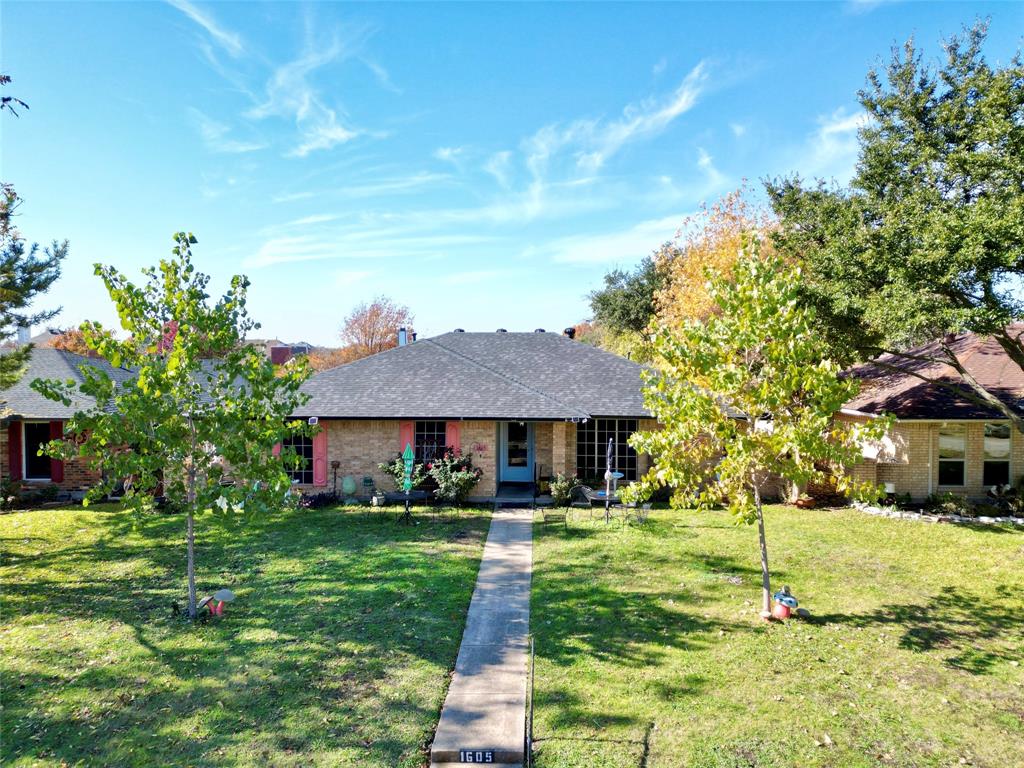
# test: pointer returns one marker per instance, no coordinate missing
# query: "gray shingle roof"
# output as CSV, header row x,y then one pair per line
x,y
509,376
49,363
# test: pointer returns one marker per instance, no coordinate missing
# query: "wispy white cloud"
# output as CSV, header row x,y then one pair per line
x,y
229,41
622,246
316,218
831,152
382,75
215,135
644,119
367,244
858,7
738,129
449,154
659,66
290,197
291,95
498,165
389,186
715,178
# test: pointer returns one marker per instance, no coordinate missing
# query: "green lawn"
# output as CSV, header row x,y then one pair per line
x,y
336,651
650,651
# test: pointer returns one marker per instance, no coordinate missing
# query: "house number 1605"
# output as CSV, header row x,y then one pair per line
x,y
476,756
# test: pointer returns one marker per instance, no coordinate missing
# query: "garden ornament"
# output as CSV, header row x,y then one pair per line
x,y
785,603
215,602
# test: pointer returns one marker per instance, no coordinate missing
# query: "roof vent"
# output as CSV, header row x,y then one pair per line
x,y
538,330
459,330
570,332
501,330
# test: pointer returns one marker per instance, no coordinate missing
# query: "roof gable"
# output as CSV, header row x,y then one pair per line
x,y
483,376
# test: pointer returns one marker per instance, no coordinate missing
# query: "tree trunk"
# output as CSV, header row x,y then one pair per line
x,y
190,545
766,584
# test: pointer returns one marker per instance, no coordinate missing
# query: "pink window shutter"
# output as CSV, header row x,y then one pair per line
x,y
320,457
14,450
406,435
452,437
56,465
277,449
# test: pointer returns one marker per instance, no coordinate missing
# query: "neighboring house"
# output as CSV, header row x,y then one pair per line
x,y
526,405
280,352
942,441
29,420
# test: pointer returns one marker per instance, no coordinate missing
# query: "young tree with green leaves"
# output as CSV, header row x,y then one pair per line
x,y
928,239
744,398
178,422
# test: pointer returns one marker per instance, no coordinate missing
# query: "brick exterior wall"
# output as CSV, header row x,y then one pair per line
x,y
481,439
563,448
359,445
543,445
77,476
917,461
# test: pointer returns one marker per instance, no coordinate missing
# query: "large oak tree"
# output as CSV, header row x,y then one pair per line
x,y
928,239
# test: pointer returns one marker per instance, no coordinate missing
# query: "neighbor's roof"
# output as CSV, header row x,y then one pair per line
x,y
49,363
905,395
506,376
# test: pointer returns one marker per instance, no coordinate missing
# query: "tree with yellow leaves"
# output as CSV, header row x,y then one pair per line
x,y
709,240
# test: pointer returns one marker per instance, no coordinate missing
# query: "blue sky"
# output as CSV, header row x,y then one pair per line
x,y
484,164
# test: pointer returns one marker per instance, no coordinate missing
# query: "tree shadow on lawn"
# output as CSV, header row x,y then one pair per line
x,y
328,610
952,620
595,608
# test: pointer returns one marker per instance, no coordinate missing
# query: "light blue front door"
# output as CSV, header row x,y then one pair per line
x,y
515,462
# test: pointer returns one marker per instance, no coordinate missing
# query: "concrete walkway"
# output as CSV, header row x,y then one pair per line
x,y
484,714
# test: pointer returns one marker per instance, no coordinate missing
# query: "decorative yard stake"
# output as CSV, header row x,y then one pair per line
x,y
407,459
608,481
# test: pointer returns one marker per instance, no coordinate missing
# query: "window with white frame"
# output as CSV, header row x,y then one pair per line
x,y
592,448
429,440
303,447
952,452
996,467
36,434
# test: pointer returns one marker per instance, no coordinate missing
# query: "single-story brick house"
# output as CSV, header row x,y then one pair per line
x,y
942,441
526,405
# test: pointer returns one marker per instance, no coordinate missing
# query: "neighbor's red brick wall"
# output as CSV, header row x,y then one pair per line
x,y
77,475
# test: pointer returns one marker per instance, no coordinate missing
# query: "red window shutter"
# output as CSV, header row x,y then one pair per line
x,y
320,457
14,450
406,435
451,436
56,465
